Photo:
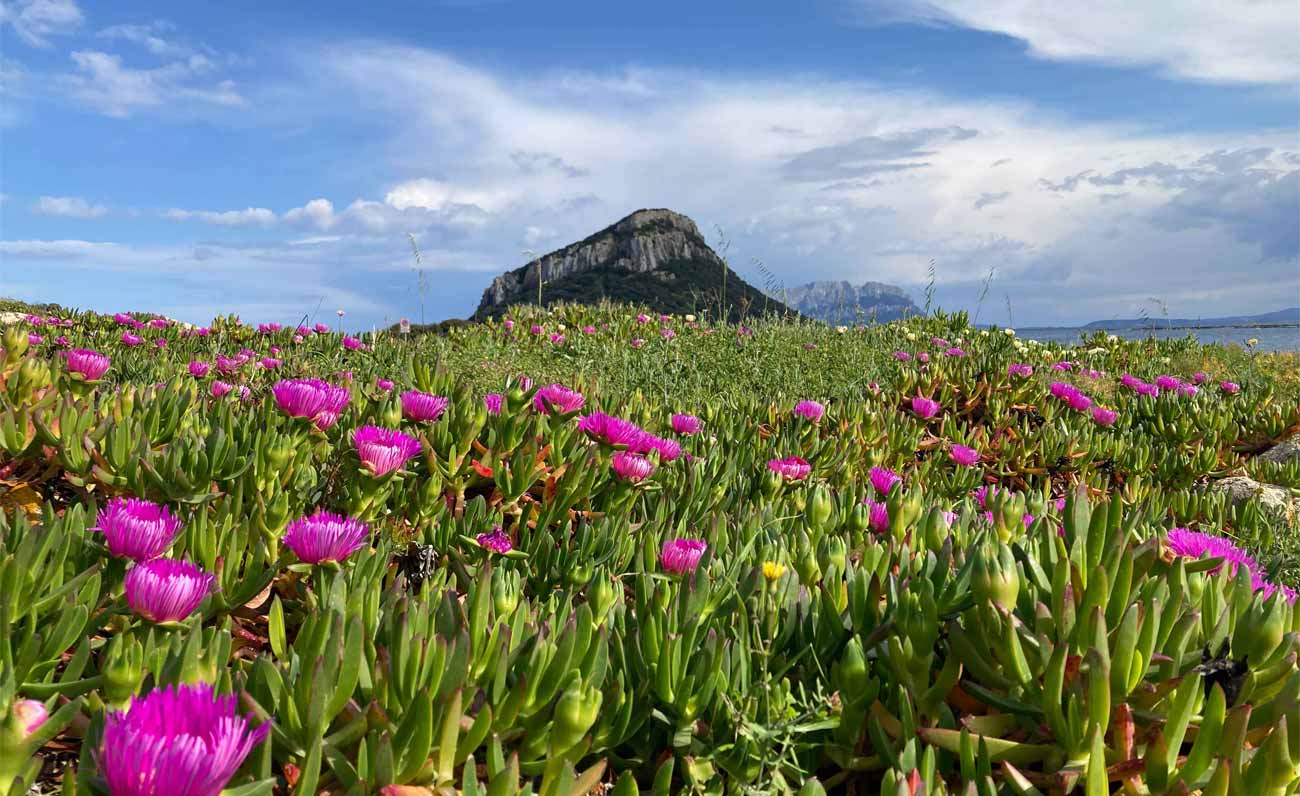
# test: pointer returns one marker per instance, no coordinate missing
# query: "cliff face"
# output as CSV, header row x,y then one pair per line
x,y
846,303
654,257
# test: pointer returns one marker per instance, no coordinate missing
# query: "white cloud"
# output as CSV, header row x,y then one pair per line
x,y
318,213
150,36
250,217
1254,41
105,84
35,21
69,207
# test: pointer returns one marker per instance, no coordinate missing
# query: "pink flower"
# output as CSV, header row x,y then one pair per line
x,y
122,319
669,450
686,424
325,537
1079,402
923,357
681,556
1103,416
1167,382
509,324
62,341
667,334
1192,544
131,339
221,389
925,407
879,515
557,338
352,343
611,430
809,410
938,342
493,402
199,369
964,456
1022,371
34,339
883,479
30,715
558,398
383,450
423,407
1200,377
269,363
536,330
497,541
791,468
137,529
311,399
589,329
1230,387
954,352
1063,366
90,365
165,590
902,356
637,342
631,467
384,384
321,328
643,318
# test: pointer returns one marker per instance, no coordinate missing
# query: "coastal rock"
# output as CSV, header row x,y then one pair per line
x,y
1286,451
1239,489
846,303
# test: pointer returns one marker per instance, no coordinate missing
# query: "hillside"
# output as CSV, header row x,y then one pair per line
x,y
1285,317
655,258
846,303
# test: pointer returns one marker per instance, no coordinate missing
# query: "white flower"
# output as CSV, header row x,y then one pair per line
x,y
690,319
1110,338
1009,332
984,332
911,335
561,327
958,341
841,329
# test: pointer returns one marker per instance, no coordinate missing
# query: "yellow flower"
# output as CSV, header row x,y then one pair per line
x,y
772,570
1252,342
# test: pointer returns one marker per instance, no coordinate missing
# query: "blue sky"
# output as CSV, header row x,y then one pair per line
x,y
274,159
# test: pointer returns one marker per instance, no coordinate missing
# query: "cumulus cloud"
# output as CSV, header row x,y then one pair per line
x,y
69,207
249,217
1206,40
37,21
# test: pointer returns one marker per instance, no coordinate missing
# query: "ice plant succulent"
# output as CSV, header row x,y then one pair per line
x,y
681,556
311,399
925,407
611,430
166,590
883,479
90,365
492,402
180,740
964,456
137,529
1193,544
383,450
686,425
325,537
423,407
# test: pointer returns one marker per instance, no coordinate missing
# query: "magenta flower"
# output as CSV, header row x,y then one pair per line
x,y
321,328
131,339
90,365
352,343
311,399
954,352
1079,402
199,369
923,357
964,456
1103,416
1020,370
883,479
325,537
902,356
938,342
423,407
1230,387
166,590
1200,377
637,343
137,529
508,324
879,515
589,329
176,741
925,407
680,556
493,402
122,319
384,384
611,430
643,318
1065,365
809,410
1061,390
557,338
667,334
1193,544
221,389
62,341
269,363
559,398
791,468
1187,389
686,424
497,541
1167,382
632,467
383,450
34,339
669,450
536,330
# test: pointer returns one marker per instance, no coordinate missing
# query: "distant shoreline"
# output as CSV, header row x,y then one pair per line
x,y
1180,327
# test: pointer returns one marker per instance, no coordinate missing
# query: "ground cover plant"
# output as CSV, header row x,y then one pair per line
x,y
595,550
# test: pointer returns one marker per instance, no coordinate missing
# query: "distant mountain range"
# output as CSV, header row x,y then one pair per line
x,y
846,303
1286,317
655,258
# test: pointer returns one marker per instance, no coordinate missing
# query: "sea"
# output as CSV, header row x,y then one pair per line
x,y
1272,338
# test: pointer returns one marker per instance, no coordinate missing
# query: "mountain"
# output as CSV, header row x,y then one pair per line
x,y
845,303
655,258
1286,317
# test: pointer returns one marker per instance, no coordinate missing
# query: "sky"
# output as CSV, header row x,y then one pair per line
x,y
284,160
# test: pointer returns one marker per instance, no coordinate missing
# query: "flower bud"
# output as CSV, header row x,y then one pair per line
x,y
995,577
1260,628
809,570
30,715
575,713
820,507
